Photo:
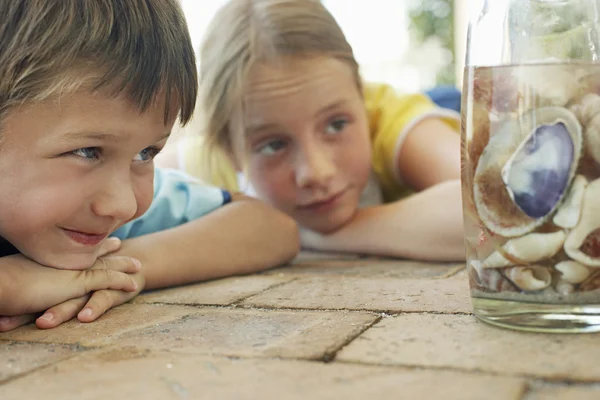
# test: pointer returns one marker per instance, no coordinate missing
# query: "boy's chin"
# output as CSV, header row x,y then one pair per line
x,y
72,262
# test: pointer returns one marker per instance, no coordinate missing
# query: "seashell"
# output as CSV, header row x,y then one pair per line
x,y
526,249
564,288
588,113
592,283
557,91
583,242
489,279
572,271
567,215
524,171
531,278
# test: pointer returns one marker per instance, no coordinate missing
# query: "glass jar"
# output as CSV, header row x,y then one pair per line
x,y
531,163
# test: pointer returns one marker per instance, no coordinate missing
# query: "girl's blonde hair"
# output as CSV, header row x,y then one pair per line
x,y
245,33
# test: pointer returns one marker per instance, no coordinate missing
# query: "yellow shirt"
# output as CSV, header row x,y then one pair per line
x,y
391,116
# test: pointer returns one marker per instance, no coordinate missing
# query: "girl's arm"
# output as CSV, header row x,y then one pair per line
x,y
429,155
426,226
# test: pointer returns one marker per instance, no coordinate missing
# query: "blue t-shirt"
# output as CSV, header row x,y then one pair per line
x,y
178,198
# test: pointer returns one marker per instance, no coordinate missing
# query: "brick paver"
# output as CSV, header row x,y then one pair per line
x,y
19,358
178,376
254,333
327,326
221,292
363,293
463,342
562,392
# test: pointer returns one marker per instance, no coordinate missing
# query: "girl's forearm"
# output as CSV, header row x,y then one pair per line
x,y
425,226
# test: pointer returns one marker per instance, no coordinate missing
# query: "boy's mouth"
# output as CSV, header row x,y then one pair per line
x,y
85,238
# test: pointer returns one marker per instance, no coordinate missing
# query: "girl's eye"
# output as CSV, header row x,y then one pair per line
x,y
336,126
147,154
88,153
272,147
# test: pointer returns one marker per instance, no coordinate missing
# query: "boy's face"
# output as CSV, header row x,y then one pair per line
x,y
307,139
74,169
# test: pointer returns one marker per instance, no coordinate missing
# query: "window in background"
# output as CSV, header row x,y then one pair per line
x,y
408,44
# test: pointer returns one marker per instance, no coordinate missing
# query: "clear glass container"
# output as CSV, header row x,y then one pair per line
x,y
531,163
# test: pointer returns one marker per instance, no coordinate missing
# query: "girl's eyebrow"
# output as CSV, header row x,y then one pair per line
x,y
258,128
335,105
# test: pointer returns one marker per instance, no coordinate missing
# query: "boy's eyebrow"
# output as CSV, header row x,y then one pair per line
x,y
91,135
94,135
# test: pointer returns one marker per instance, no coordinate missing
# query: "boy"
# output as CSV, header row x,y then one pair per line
x,y
86,102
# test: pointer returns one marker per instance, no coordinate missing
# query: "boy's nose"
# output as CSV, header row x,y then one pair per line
x,y
116,199
314,168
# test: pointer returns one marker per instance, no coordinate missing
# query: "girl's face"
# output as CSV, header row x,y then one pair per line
x,y
307,140
74,169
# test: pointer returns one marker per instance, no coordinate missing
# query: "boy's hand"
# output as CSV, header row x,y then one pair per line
x,y
39,287
89,308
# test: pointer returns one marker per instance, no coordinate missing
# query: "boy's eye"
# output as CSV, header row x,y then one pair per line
x,y
336,126
89,153
147,154
272,147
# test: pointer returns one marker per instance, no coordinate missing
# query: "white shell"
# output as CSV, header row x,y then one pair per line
x,y
569,212
564,287
531,278
557,91
527,249
491,279
572,271
588,113
588,223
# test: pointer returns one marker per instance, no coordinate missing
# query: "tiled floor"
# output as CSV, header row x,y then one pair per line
x,y
325,327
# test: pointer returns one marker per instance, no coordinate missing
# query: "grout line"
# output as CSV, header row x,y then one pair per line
x,y
265,307
273,286
453,271
329,356
526,391
79,350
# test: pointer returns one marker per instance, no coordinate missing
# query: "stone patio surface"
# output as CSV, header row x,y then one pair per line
x,y
324,327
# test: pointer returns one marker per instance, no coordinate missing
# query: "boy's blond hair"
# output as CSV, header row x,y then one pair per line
x,y
245,33
138,47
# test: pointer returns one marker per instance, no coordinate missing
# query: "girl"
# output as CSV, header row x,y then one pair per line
x,y
358,166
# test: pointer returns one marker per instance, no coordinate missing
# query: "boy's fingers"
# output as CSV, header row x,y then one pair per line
x,y
99,303
61,313
128,265
99,279
12,322
111,244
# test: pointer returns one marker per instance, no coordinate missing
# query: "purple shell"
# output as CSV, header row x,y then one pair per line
x,y
539,173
